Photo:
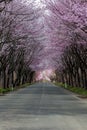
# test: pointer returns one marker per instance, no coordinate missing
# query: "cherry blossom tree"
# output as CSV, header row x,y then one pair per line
x,y
53,36
67,22
20,42
3,4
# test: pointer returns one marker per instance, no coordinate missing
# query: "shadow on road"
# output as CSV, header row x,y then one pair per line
x,y
43,99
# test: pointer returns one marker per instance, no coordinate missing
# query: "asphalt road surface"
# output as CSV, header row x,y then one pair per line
x,y
42,106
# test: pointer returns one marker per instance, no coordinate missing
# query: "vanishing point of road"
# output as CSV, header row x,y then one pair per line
x,y
42,106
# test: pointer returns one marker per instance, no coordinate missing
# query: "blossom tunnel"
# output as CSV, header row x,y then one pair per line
x,y
43,40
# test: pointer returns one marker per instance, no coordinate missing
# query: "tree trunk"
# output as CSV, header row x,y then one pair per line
x,y
4,78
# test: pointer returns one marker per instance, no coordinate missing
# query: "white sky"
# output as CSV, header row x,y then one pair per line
x,y
38,3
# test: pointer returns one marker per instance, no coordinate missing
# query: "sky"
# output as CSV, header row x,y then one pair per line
x,y
38,3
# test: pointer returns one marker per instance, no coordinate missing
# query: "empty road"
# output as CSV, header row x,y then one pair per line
x,y
42,106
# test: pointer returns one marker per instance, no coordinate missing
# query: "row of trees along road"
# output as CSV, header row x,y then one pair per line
x,y
68,34
19,41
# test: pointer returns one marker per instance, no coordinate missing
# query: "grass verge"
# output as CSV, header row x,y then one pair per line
x,y
4,91
77,90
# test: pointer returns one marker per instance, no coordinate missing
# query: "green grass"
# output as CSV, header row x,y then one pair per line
x,y
80,91
3,91
77,90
